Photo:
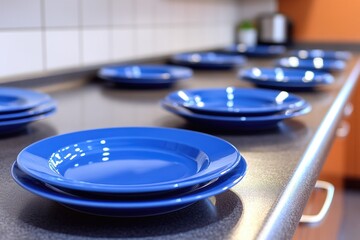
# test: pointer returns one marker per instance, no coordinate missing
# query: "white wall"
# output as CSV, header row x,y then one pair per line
x,y
41,36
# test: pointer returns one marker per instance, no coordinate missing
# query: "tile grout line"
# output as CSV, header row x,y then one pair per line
x,y
81,33
43,35
110,30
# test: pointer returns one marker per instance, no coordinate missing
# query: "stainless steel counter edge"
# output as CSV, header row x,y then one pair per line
x,y
309,168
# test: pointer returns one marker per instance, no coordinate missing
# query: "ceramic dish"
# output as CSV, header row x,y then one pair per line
x,y
208,60
312,64
235,122
145,75
123,208
318,53
286,78
17,99
235,101
14,125
128,160
257,51
42,108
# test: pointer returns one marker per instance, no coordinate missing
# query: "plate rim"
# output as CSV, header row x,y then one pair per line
x,y
326,78
185,73
33,98
226,182
233,156
261,110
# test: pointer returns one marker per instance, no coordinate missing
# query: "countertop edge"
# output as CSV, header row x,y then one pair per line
x,y
278,224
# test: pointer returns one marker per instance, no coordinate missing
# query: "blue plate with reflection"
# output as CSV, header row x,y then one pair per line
x,y
256,51
128,160
235,101
234,122
319,64
17,99
286,77
144,75
319,53
208,60
136,207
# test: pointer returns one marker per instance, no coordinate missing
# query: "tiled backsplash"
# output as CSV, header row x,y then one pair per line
x,y
40,36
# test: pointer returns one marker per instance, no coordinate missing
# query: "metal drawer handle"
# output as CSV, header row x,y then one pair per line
x,y
312,219
344,129
348,109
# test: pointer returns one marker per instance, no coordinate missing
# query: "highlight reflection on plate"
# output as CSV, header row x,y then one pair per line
x,y
320,64
286,77
128,160
235,101
208,60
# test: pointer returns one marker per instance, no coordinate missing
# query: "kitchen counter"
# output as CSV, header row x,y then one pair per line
x,y
283,165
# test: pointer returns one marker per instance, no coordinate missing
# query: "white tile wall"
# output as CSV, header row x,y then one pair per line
x,y
39,36
96,46
64,13
145,11
145,41
20,14
21,52
62,49
123,44
95,13
123,12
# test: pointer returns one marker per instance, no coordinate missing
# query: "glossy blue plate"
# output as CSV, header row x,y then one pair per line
x,y
119,207
320,64
235,122
42,108
14,125
17,99
208,60
235,101
129,159
256,51
286,77
318,53
144,74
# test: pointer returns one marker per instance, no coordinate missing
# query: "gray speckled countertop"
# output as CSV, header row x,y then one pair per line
x,y
283,165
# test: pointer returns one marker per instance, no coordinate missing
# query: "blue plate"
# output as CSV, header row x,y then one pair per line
x,y
235,101
42,108
144,75
17,99
14,125
208,60
286,77
120,207
257,51
318,53
128,160
312,64
232,122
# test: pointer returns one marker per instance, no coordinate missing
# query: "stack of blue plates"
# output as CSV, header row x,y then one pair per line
x,y
319,64
208,60
286,78
133,171
144,75
256,51
19,107
235,108
318,53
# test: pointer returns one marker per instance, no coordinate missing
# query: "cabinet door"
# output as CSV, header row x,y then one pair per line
x,y
333,171
353,149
